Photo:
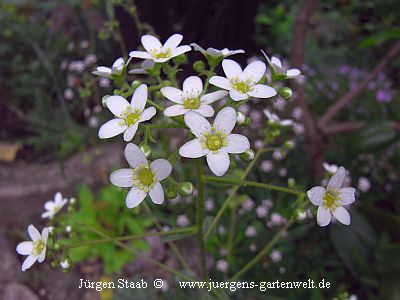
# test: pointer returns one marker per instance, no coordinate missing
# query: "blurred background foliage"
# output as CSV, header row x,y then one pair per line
x,y
51,105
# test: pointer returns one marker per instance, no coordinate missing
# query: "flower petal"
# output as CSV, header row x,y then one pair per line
x,y
175,110
147,114
323,216
225,119
218,162
130,132
34,233
118,64
135,156
231,68
262,91
173,94
150,42
28,262
49,205
316,195
276,61
197,123
24,248
140,54
193,86
122,177
254,71
180,50
157,193
135,197
205,110
347,195
293,72
193,149
337,179
102,71
112,128
45,235
42,255
212,97
197,47
173,41
342,215
139,97
162,168
220,82
58,197
237,96
117,105
237,143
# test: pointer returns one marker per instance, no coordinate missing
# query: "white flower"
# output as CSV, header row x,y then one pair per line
x,y
35,249
330,168
116,69
364,184
261,211
266,166
191,98
273,118
250,231
128,116
160,53
330,201
243,84
215,142
53,207
215,53
279,69
65,264
143,178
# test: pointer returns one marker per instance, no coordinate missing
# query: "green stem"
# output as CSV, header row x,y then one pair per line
x,y
251,183
171,244
232,234
149,259
200,216
263,252
234,190
132,237
210,73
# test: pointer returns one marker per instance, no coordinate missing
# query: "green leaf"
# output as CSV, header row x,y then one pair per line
x,y
380,37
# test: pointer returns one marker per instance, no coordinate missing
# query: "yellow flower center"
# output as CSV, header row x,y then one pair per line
x,y
163,54
242,87
38,247
332,199
144,178
132,117
214,140
191,103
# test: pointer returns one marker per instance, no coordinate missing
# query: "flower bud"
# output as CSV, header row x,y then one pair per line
x,y
248,121
72,200
171,193
199,66
185,189
136,83
286,93
247,155
291,183
54,264
180,59
65,264
240,118
288,145
57,246
146,149
104,100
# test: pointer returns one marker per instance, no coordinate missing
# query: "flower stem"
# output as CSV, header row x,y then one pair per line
x,y
171,244
251,183
234,190
136,236
263,252
200,216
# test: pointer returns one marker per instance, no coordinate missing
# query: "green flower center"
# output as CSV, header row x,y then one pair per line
x,y
132,118
144,178
332,199
191,103
214,140
241,86
163,54
38,247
